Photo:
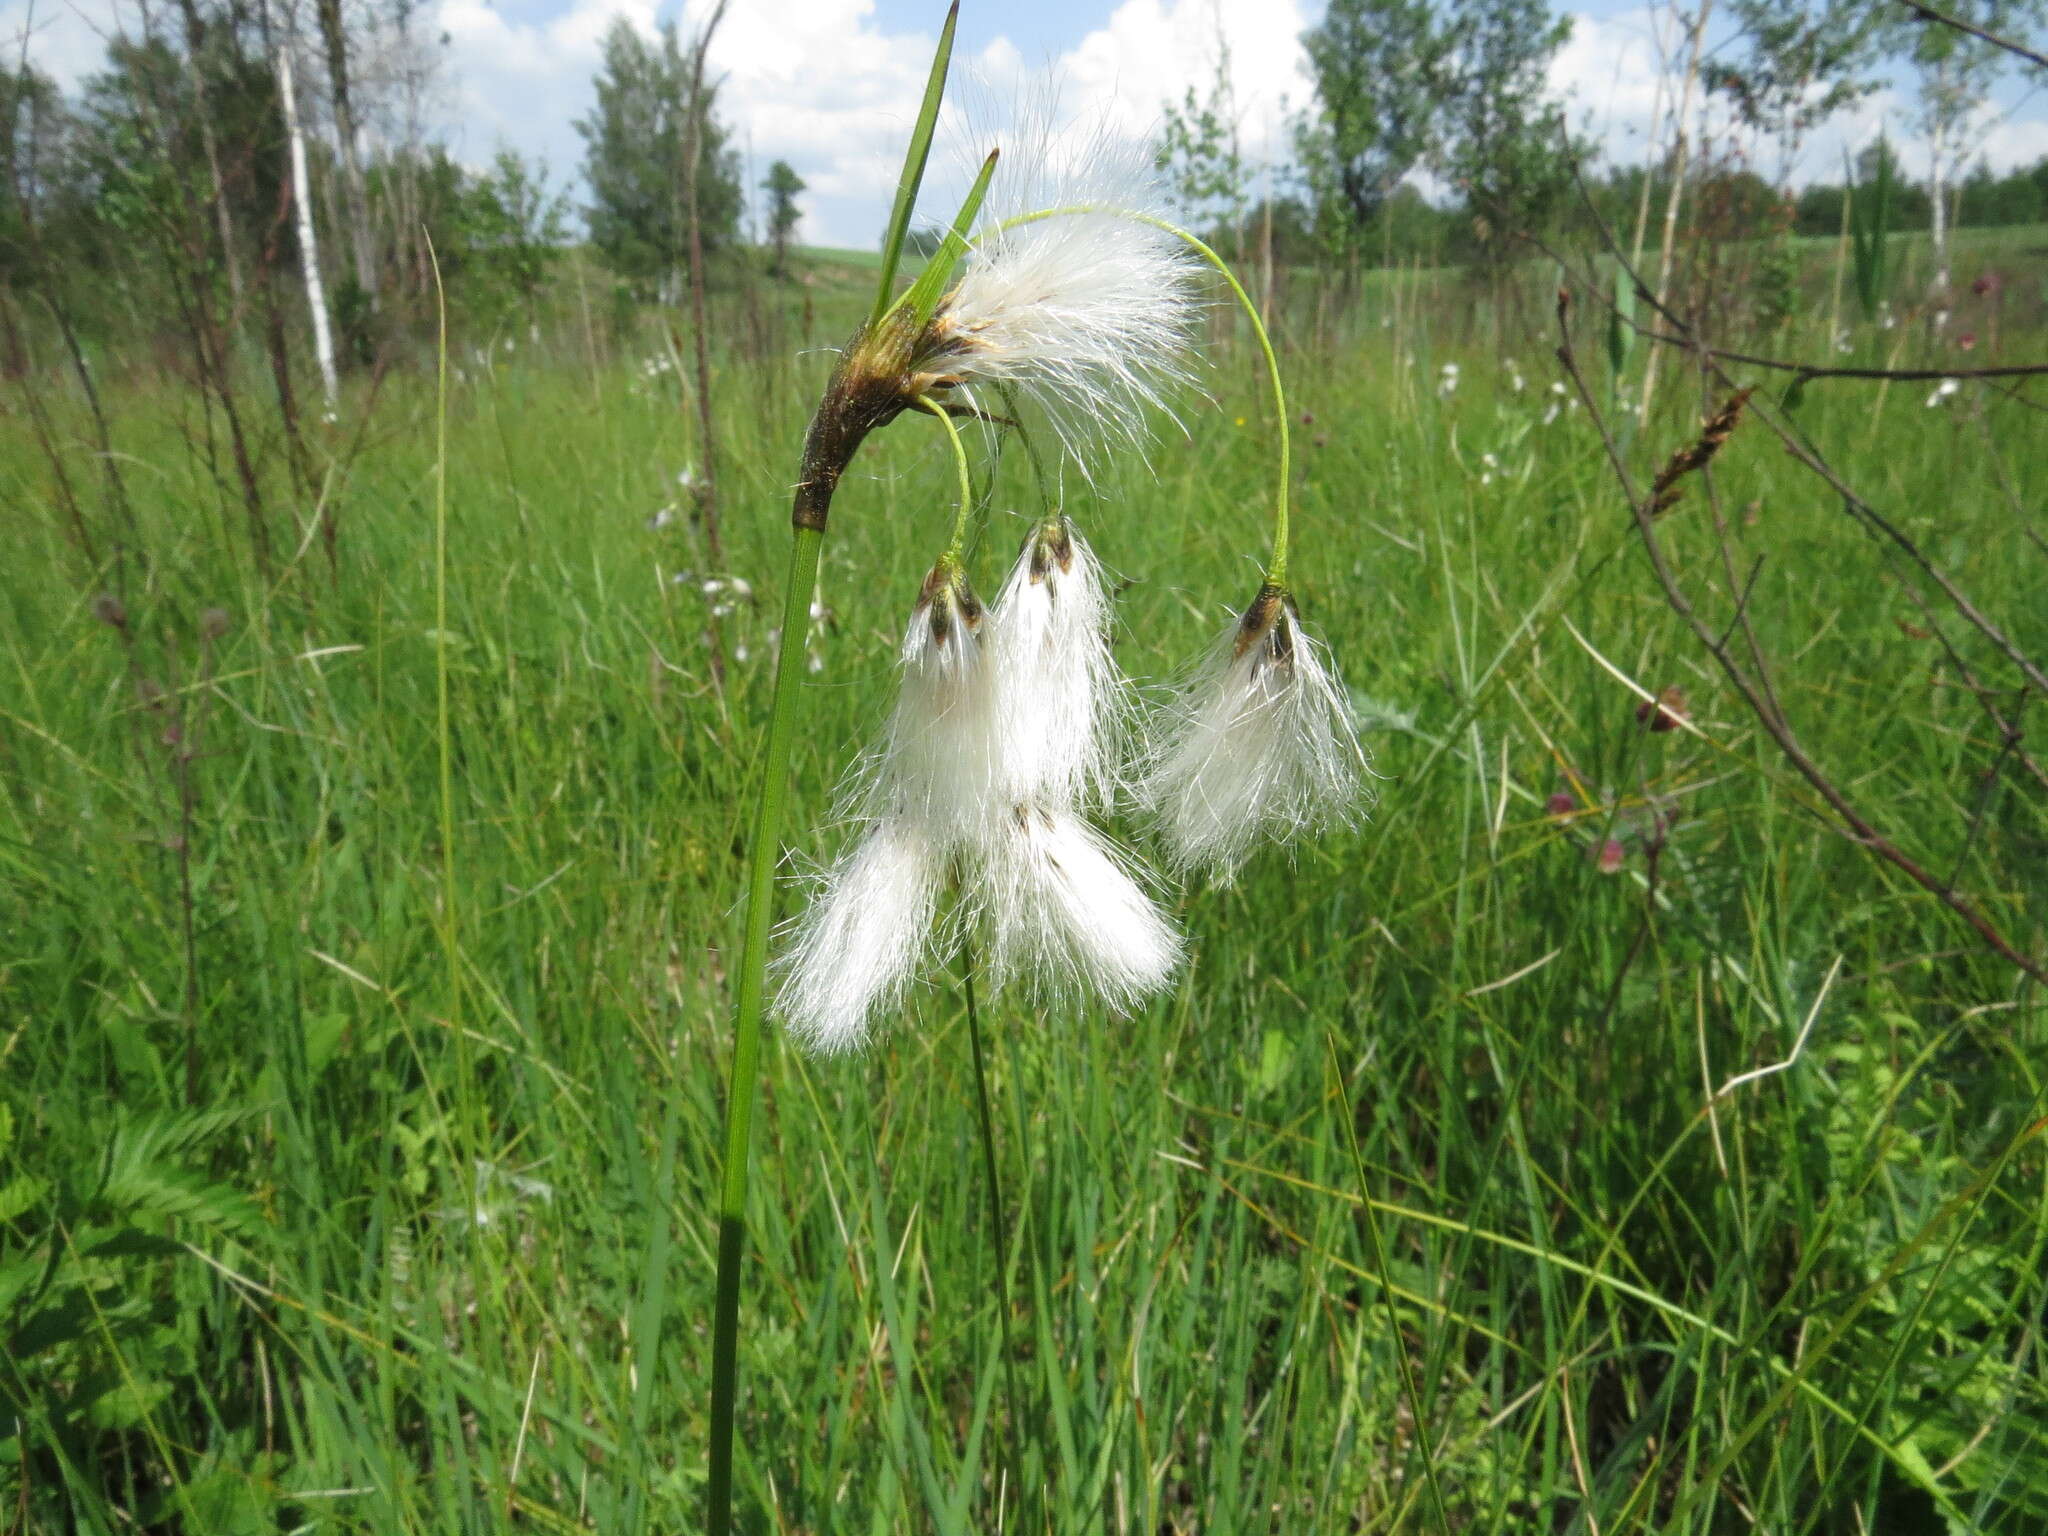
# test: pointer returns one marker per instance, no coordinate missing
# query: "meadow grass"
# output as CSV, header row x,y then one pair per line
x,y
1413,1207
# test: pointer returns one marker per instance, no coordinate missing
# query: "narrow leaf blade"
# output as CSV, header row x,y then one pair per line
x,y
922,297
913,163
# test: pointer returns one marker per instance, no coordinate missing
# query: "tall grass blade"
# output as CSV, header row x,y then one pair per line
x,y
914,158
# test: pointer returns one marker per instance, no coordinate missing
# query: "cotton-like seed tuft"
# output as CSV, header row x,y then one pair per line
x,y
1006,725
863,937
1088,312
941,753
1061,704
1066,915
1258,743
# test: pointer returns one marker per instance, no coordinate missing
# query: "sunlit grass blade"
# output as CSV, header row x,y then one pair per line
x,y
914,158
922,297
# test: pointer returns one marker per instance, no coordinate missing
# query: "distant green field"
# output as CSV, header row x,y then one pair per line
x,y
332,1185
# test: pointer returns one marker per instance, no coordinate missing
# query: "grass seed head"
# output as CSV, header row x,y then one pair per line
x,y
1067,916
863,937
1089,312
1259,742
1062,704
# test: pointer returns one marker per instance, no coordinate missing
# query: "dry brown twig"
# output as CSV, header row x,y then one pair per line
x,y
1754,685
1957,24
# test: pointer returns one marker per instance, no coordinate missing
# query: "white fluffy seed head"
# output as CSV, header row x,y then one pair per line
x,y
862,938
1258,743
1061,704
941,754
1089,314
1065,913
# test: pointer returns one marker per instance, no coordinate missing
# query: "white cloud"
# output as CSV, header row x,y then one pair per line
x,y
65,39
1610,72
826,85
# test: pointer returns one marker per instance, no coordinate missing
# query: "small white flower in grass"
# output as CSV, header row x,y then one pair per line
x,y
1061,703
1088,314
1258,743
1066,914
1941,392
1447,381
862,939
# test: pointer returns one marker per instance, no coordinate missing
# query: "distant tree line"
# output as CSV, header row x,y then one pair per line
x,y
156,198
1455,92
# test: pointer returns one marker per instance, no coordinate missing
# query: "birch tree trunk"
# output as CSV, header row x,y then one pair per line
x,y
309,253
1680,145
1937,184
334,38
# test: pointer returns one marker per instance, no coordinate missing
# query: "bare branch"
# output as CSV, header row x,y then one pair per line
x,y
1780,731
1942,18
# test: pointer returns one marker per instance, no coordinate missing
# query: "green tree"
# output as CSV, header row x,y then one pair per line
x,y
1793,64
782,186
1380,93
637,140
1198,152
1956,73
33,127
1504,143
512,229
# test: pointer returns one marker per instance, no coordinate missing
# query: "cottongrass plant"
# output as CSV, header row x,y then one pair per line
x,y
1258,743
1073,295
1004,734
1068,299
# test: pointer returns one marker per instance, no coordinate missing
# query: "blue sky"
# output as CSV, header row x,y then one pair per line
x,y
831,85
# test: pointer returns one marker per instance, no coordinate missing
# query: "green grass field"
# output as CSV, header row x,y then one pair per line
x,y
359,1133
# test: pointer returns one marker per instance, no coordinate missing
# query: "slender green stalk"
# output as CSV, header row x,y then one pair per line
x,y
999,1231
956,544
451,943
1276,567
746,1053
912,175
1386,1280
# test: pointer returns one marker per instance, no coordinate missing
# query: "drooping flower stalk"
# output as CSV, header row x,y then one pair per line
x,y
1260,739
1090,321
1276,564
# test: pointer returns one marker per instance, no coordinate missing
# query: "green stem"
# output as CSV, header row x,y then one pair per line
x,y
956,546
444,726
1384,1275
998,1228
1276,568
746,1055
1047,496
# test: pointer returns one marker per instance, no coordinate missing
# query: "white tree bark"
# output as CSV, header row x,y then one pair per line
x,y
1681,145
309,253
1937,184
